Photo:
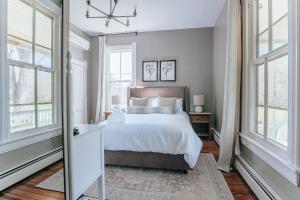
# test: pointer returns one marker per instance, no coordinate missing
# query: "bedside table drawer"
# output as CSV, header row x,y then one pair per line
x,y
200,118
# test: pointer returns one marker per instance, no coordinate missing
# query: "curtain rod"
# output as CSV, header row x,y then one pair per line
x,y
125,33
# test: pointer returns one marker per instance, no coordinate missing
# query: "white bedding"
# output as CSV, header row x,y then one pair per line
x,y
159,133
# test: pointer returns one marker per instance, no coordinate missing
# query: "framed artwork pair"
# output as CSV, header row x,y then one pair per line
x,y
167,70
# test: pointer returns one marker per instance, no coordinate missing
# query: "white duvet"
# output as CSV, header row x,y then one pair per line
x,y
159,133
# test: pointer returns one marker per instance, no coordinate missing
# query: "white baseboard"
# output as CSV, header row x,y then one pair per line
x,y
216,136
260,187
27,170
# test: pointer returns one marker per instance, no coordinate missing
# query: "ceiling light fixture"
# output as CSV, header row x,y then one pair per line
x,y
110,16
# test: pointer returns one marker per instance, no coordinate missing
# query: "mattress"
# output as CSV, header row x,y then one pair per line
x,y
158,133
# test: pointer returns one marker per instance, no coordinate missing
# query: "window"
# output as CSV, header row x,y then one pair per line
x,y
271,70
120,75
32,66
270,102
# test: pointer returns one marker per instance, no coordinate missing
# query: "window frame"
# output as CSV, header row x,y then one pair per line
x,y
119,49
8,140
285,160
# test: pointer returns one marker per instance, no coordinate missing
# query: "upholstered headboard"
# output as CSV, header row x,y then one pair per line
x,y
179,92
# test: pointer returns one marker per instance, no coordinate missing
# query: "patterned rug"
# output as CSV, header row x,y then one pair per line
x,y
205,182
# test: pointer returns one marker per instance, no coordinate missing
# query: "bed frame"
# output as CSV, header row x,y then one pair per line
x,y
149,159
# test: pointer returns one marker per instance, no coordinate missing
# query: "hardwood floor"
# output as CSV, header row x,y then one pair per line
x,y
26,189
236,183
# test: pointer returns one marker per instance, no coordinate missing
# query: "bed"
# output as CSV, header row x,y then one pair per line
x,y
160,141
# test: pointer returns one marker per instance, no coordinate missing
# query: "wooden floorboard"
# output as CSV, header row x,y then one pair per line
x,y
26,190
236,183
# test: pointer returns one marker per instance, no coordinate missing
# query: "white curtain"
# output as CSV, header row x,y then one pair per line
x,y
101,93
231,104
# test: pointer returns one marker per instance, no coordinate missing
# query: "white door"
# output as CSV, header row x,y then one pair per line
x,y
79,72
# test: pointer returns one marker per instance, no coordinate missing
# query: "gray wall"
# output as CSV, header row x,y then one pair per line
x,y
192,49
220,38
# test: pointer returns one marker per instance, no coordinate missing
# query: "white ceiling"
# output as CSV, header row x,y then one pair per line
x,y
153,15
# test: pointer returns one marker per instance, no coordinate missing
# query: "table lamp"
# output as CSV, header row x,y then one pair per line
x,y
198,101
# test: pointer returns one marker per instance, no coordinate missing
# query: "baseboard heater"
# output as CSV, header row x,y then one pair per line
x,y
12,176
216,136
260,187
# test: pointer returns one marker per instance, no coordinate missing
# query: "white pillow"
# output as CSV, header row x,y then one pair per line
x,y
179,105
138,101
153,102
166,110
167,102
140,110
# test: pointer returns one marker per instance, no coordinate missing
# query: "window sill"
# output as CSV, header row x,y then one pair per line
x,y
281,165
19,140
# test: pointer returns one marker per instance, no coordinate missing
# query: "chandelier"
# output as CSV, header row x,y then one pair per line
x,y
110,15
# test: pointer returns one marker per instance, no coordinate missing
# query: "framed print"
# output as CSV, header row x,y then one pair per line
x,y
168,70
150,71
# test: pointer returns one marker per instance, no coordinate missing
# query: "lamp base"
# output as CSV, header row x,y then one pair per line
x,y
198,109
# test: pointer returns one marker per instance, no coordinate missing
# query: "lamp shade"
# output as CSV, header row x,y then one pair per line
x,y
198,100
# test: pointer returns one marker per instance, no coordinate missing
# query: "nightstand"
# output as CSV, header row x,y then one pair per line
x,y
106,115
202,118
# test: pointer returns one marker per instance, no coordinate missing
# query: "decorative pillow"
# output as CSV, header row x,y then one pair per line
x,y
138,101
140,110
153,102
167,102
179,105
166,110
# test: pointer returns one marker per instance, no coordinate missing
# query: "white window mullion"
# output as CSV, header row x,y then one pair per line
x,y
4,102
266,103
35,70
270,44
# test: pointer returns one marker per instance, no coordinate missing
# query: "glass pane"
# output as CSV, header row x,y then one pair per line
x,y
114,94
123,93
118,94
115,63
278,82
263,15
126,59
280,33
43,30
43,57
260,99
279,9
21,83
278,125
20,17
45,114
278,100
22,117
263,46
44,87
19,50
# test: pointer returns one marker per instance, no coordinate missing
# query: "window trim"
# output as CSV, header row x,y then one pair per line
x,y
118,48
286,162
16,140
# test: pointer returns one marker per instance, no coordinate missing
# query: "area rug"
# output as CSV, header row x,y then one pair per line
x,y
204,182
